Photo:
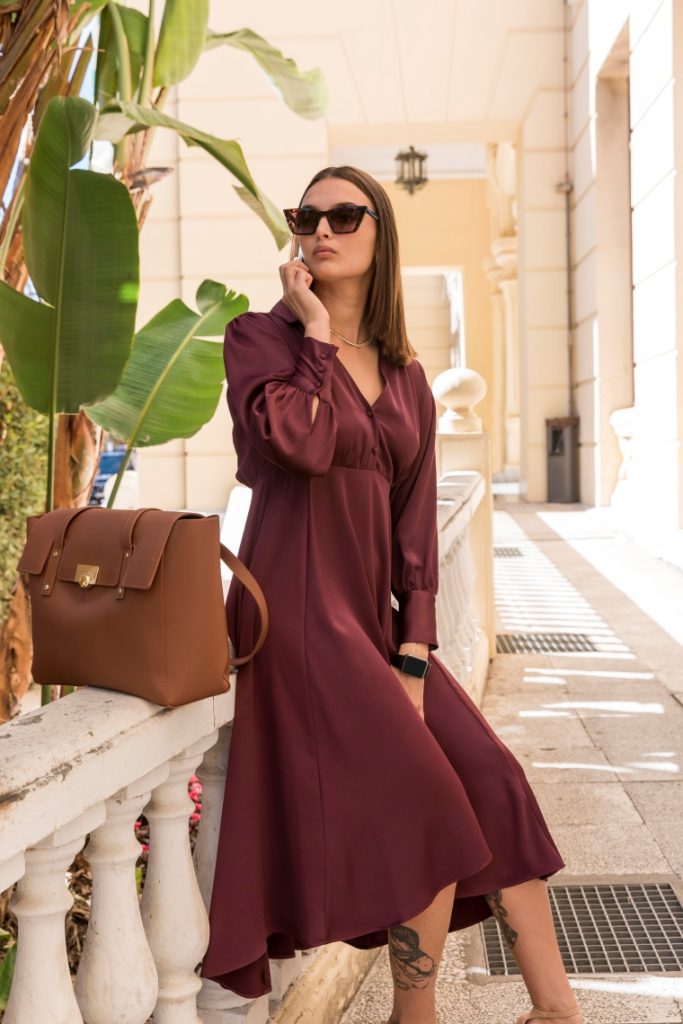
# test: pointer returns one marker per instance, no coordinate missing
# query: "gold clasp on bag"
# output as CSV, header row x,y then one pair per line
x,y
86,575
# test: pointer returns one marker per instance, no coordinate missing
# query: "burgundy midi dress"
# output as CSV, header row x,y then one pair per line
x,y
345,812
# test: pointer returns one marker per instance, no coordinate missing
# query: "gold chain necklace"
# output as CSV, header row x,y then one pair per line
x,y
353,344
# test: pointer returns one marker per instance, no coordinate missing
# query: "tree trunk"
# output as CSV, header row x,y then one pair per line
x,y
77,453
15,652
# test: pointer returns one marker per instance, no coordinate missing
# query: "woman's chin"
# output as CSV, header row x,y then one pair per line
x,y
321,272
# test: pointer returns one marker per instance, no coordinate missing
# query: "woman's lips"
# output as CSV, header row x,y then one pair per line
x,y
323,252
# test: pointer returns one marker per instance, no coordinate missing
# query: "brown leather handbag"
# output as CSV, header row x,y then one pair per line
x,y
132,600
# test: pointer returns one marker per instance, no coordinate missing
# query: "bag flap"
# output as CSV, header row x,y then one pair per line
x,y
40,531
101,540
151,536
95,538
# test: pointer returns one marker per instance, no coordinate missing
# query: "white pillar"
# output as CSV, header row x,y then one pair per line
x,y
173,911
509,289
42,991
117,980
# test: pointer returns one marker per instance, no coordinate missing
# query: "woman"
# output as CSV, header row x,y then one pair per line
x,y
365,801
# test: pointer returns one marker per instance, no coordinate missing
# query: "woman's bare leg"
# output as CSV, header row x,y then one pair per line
x,y
415,949
525,917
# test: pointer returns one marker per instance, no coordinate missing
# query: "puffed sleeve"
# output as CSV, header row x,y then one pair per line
x,y
271,390
415,555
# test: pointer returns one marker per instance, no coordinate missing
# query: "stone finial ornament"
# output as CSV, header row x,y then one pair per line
x,y
459,390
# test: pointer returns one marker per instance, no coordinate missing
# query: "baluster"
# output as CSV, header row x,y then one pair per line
x,y
117,979
42,991
218,1005
173,912
211,774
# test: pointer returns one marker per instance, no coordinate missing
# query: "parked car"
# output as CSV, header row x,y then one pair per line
x,y
110,462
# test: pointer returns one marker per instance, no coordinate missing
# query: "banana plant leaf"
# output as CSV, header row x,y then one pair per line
x,y
107,72
304,92
81,247
227,152
181,40
172,382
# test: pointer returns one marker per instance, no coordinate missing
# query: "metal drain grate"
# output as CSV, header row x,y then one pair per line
x,y
500,551
543,643
608,929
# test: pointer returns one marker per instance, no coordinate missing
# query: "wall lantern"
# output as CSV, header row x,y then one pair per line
x,y
410,169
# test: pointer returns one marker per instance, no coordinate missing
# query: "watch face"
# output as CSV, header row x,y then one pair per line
x,y
414,666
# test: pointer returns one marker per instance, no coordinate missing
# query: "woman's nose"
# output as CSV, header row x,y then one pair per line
x,y
323,230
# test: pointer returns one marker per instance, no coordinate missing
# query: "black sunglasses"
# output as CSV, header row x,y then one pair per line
x,y
342,219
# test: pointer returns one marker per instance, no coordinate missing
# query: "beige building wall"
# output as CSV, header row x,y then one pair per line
x,y
542,274
447,225
626,138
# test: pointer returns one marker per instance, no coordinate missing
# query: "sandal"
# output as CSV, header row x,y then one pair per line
x,y
535,1013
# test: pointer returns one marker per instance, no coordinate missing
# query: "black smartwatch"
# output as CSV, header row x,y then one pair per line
x,y
411,665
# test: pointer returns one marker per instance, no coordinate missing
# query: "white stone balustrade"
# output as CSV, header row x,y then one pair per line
x,y
83,766
463,647
80,771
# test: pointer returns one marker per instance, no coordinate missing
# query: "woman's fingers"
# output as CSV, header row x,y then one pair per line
x,y
295,278
414,687
297,282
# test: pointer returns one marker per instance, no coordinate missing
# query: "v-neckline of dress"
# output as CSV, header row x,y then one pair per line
x,y
351,378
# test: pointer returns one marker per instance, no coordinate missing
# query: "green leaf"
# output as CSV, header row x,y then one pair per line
x,y
107,72
227,152
81,245
208,294
173,379
26,335
304,92
81,13
181,40
81,7
63,139
6,974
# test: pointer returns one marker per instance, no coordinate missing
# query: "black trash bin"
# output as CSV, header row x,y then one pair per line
x,y
562,434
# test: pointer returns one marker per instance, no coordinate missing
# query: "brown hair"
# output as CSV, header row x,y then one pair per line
x,y
383,314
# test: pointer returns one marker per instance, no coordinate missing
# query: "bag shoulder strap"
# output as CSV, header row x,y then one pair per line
x,y
240,570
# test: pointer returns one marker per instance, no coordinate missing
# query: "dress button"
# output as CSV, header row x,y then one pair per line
x,y
369,412
324,355
374,450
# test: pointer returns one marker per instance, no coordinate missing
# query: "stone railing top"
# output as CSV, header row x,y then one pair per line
x,y
458,495
59,760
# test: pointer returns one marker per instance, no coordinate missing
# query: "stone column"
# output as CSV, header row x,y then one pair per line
x,y
503,273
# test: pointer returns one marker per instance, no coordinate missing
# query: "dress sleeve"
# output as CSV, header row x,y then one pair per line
x,y
415,555
271,390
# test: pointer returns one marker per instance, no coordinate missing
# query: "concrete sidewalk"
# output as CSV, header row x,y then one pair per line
x,y
600,736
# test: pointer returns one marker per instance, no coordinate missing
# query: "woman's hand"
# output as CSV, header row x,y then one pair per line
x,y
413,686
296,286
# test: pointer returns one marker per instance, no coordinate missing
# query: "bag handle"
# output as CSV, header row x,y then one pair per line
x,y
247,580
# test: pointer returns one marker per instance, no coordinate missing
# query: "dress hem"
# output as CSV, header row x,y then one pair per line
x,y
298,945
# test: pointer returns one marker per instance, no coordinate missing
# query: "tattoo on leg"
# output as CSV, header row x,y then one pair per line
x,y
495,901
411,967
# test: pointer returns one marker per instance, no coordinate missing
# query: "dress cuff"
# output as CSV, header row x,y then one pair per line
x,y
314,367
417,618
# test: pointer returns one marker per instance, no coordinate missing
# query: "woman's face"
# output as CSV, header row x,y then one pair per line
x,y
344,255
